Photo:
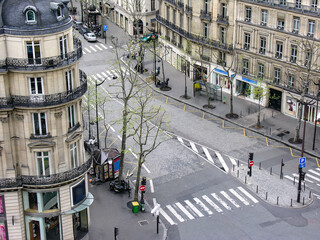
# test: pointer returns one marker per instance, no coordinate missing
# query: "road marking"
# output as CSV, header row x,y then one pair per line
x,y
98,47
154,202
103,46
135,155
151,186
174,212
119,138
99,76
222,161
105,75
95,78
248,195
318,169
226,195
87,50
112,128
207,154
223,203
194,208
307,180
194,148
314,172
313,177
233,161
185,211
238,196
290,178
166,216
212,204
110,46
197,200
145,167
83,52
318,196
93,48
180,140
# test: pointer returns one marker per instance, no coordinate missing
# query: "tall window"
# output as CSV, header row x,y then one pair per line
x,y
189,24
277,75
283,2
30,16
205,30
71,115
222,58
33,52
245,66
43,164
296,25
248,14
314,5
206,6
279,50
69,80
181,20
263,44
264,17
74,154
260,70
280,23
63,47
59,12
291,80
308,59
168,13
223,10
298,3
174,16
36,86
138,5
294,53
311,25
247,39
153,5
223,35
39,124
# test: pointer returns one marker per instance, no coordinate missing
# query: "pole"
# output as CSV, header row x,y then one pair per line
x,y
281,176
315,121
158,224
154,57
105,36
97,122
302,152
89,119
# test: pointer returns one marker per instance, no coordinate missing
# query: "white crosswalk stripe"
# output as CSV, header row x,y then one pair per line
x,y
223,203
87,50
180,140
212,204
83,52
318,169
238,196
95,78
99,76
205,150
226,195
194,208
93,48
222,161
194,148
98,47
248,195
185,211
233,161
105,75
306,179
313,177
314,172
166,216
103,46
174,212
204,207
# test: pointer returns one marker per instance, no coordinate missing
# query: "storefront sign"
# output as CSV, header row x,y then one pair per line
x,y
249,80
291,106
222,72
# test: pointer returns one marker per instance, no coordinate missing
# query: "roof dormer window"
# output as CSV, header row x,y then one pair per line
x,y
58,9
59,12
30,16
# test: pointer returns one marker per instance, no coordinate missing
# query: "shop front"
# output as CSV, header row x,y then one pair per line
x,y
244,86
275,99
3,222
220,78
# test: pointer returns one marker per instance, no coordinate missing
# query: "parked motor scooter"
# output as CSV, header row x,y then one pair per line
x,y
119,187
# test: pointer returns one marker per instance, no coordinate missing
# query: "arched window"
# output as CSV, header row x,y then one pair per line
x,y
30,15
59,12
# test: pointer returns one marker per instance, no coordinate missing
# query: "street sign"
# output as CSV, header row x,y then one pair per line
x,y
302,160
302,165
142,188
251,163
156,209
105,28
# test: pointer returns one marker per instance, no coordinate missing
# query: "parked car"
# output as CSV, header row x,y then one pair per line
x,y
149,37
76,24
84,30
90,37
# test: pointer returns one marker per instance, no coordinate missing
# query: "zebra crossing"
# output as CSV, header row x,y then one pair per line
x,y
108,74
214,157
95,48
312,177
207,205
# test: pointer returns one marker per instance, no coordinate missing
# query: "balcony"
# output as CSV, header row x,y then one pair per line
x,y
50,180
188,9
282,4
180,6
223,19
192,37
46,100
172,2
26,64
205,58
205,15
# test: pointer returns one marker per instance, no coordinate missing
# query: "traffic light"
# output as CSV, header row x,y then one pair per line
x,y
251,156
157,71
302,175
144,181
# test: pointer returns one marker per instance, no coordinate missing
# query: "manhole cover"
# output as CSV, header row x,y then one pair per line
x,y
143,222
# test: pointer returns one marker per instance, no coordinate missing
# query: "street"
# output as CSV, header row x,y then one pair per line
x,y
190,173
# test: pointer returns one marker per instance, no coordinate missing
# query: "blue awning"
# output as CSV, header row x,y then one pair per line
x,y
249,80
222,72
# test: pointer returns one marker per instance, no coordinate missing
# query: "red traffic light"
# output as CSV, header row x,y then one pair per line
x,y
153,37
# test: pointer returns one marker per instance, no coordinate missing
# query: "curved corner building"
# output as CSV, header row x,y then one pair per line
x,y
43,181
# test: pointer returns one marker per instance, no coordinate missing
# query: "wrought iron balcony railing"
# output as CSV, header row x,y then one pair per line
x,y
49,180
188,9
205,15
180,6
46,100
173,2
31,64
195,38
223,19
283,4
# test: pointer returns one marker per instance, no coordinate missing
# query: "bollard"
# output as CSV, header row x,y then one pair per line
x,y
257,190
237,173
310,194
259,165
270,171
232,168
294,180
291,202
270,131
240,113
266,195
238,163
272,113
245,179
278,200
303,201
304,186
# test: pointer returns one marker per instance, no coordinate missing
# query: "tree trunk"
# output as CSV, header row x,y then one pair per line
x,y
231,97
136,189
297,131
123,140
259,112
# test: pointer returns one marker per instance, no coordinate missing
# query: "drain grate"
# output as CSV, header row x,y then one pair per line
x,y
280,134
143,222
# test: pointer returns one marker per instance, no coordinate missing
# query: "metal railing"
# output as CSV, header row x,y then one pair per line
x,y
223,19
46,100
31,64
195,38
180,6
49,180
173,2
188,9
205,15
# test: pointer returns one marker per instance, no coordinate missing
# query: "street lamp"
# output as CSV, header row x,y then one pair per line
x,y
185,96
97,120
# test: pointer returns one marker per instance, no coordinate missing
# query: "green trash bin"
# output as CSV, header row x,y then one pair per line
x,y
135,207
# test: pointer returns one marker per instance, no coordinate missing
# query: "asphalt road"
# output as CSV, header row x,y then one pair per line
x,y
199,199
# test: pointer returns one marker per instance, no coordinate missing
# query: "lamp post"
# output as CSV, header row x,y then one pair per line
x,y
316,118
185,96
97,120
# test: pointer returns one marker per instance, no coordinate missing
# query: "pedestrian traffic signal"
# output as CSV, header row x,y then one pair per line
x,y
250,156
302,175
158,71
144,181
